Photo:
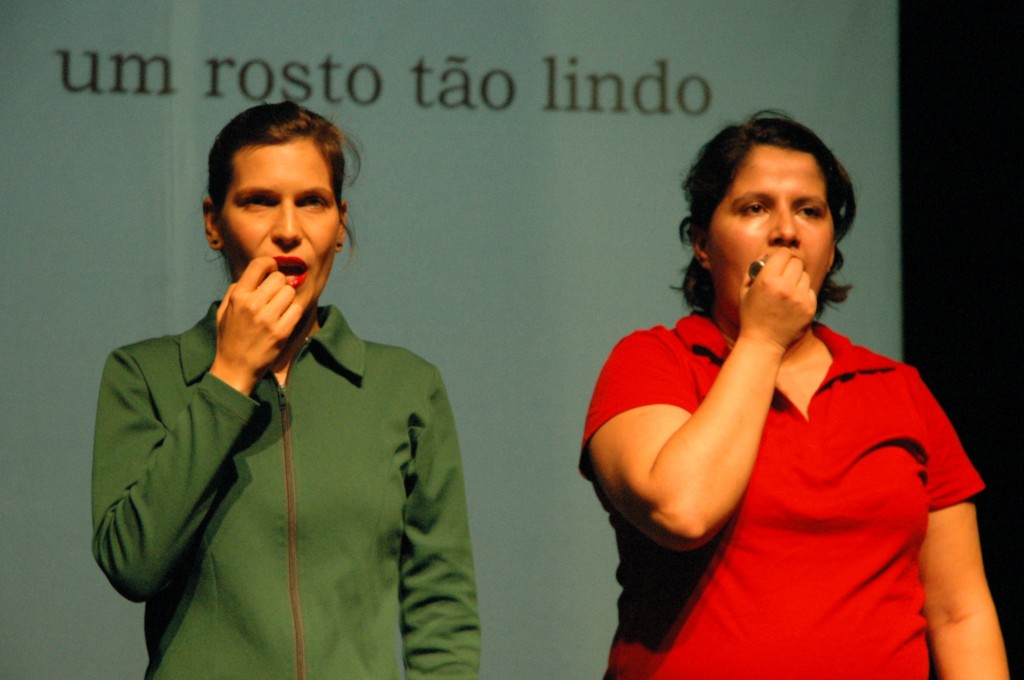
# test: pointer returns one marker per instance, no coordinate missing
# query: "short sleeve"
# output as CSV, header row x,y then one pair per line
x,y
646,367
951,476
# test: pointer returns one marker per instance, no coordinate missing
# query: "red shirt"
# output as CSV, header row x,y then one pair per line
x,y
816,574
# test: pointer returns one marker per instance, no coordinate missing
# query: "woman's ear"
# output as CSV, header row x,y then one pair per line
x,y
212,225
700,252
342,224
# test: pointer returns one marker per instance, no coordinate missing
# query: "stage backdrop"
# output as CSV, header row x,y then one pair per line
x,y
515,215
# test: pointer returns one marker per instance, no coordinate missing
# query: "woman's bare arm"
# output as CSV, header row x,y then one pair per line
x,y
963,629
678,476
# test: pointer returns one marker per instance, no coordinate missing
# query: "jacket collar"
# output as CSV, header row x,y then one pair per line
x,y
334,344
341,351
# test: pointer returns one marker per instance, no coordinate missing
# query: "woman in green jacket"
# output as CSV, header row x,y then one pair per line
x,y
281,494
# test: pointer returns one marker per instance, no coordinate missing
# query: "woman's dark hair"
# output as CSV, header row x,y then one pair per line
x,y
714,171
268,124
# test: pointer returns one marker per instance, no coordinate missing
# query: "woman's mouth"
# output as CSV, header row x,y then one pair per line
x,y
293,268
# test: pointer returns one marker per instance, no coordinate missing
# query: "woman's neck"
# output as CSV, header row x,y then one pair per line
x,y
806,346
804,365
308,325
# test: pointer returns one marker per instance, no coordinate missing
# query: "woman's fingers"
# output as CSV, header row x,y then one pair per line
x,y
263,292
291,316
255,273
254,321
785,276
779,304
224,303
277,305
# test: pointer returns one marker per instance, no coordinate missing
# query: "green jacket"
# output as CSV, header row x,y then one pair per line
x,y
289,534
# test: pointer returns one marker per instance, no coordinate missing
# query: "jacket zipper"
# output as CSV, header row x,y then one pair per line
x,y
292,534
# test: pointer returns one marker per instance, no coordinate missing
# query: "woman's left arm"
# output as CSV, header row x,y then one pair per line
x,y
963,630
440,625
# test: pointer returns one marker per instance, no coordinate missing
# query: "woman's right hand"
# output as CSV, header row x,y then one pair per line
x,y
254,322
778,306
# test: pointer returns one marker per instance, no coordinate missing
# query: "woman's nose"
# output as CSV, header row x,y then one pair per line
x,y
784,231
287,230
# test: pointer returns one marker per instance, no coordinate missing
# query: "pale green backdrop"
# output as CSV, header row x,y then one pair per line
x,y
512,244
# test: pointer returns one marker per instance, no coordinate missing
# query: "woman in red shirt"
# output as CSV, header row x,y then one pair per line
x,y
786,504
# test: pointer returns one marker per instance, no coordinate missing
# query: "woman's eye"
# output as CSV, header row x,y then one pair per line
x,y
753,209
313,201
256,200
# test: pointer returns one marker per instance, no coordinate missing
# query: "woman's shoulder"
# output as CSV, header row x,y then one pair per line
x,y
398,375
851,359
151,350
693,334
374,359
191,350
397,357
845,350
159,344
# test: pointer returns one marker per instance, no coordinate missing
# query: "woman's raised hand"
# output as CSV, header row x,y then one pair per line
x,y
778,306
254,323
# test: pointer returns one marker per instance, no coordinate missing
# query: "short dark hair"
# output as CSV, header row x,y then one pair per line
x,y
715,169
268,124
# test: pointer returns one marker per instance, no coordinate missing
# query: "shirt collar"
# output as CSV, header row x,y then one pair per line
x,y
335,345
849,359
702,337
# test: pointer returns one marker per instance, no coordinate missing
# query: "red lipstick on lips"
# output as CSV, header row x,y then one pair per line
x,y
293,268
